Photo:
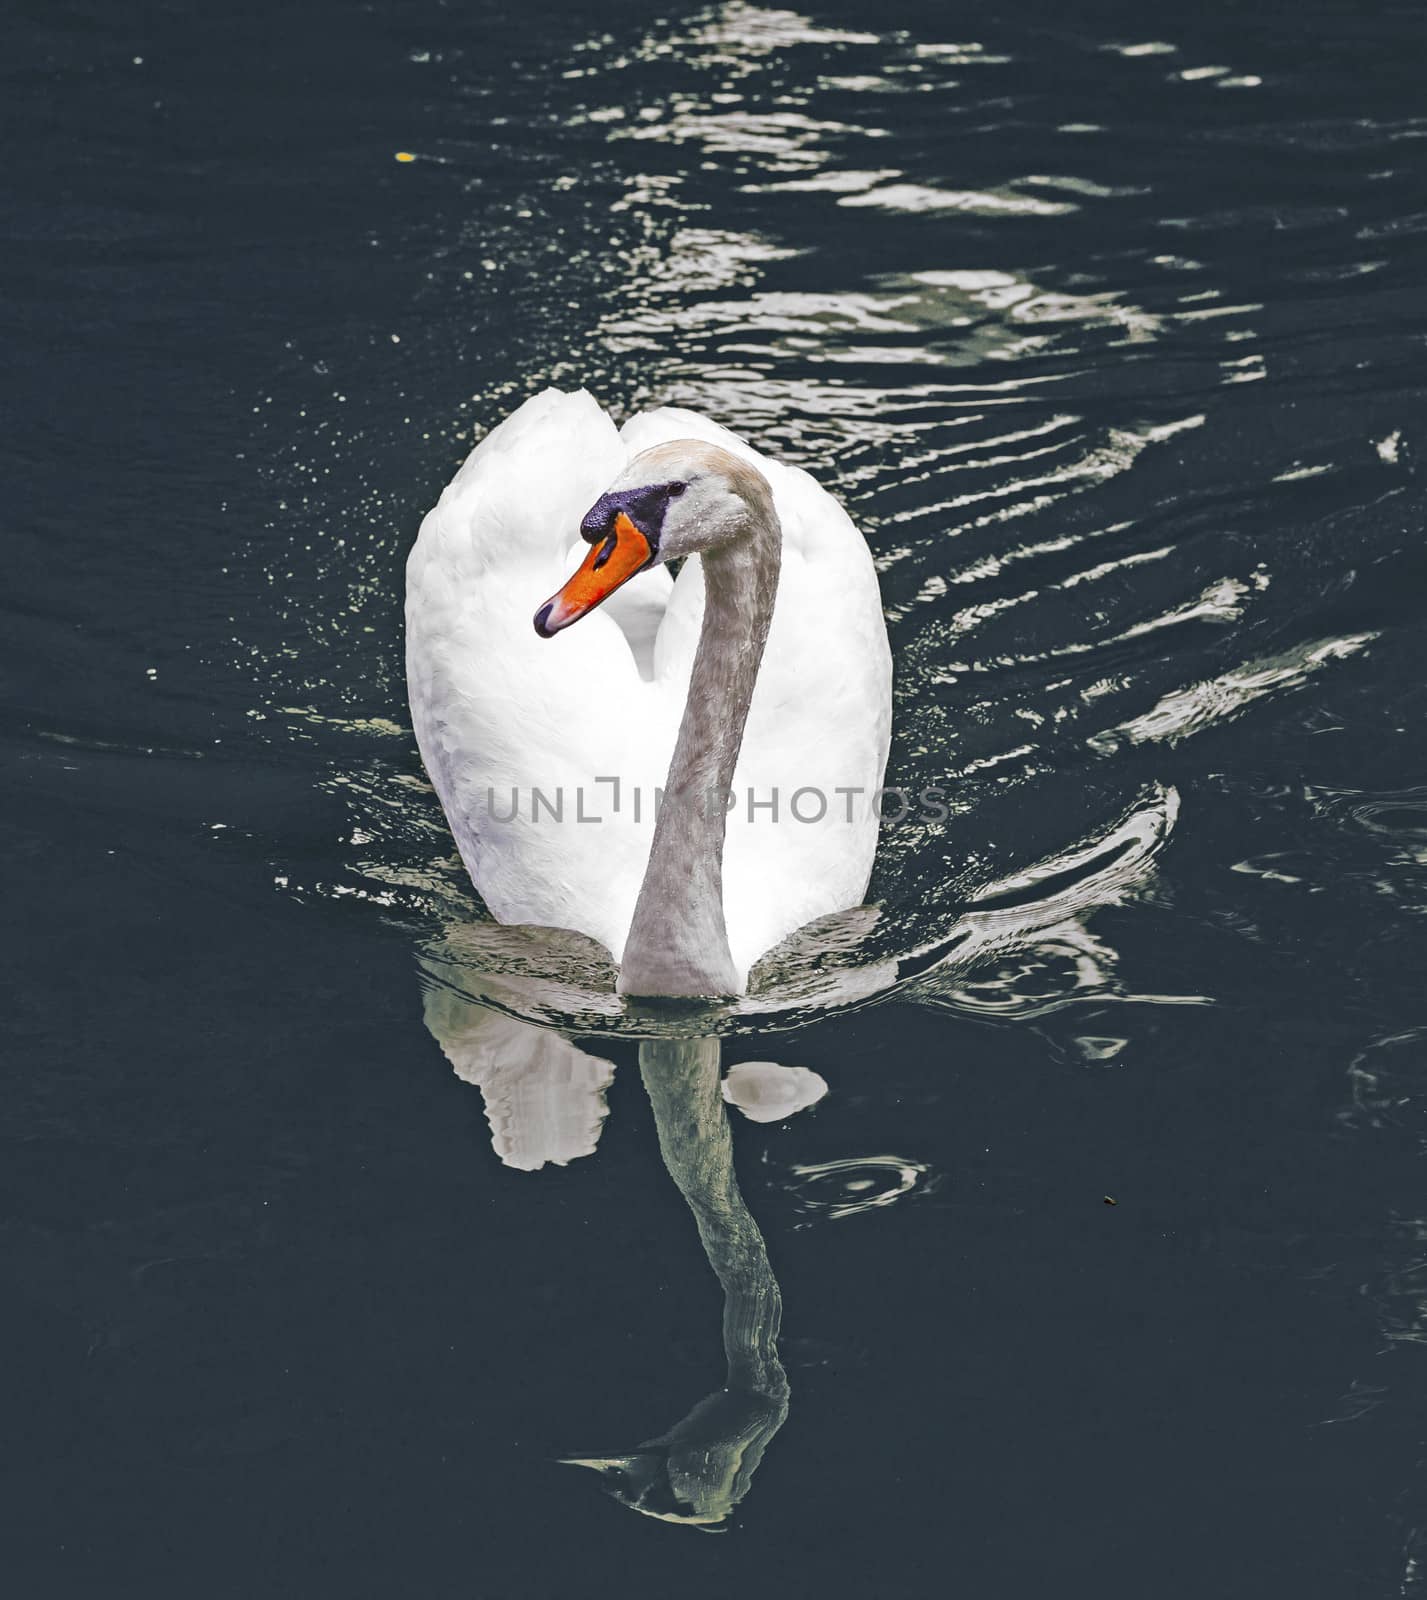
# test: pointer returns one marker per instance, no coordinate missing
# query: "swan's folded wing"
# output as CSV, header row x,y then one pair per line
x,y
521,492
500,713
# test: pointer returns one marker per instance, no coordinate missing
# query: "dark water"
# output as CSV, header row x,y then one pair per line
x,y
1108,328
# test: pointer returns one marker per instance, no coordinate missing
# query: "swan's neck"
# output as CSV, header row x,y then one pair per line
x,y
678,941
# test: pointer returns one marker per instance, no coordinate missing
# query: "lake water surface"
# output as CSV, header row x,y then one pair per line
x,y
1102,1261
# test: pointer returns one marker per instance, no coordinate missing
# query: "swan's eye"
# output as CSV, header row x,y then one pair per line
x,y
676,489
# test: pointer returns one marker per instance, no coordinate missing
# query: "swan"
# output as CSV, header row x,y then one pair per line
x,y
692,773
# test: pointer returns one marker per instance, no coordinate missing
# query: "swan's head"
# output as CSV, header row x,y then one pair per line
x,y
674,500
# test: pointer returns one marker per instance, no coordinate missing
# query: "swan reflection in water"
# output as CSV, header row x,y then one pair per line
x,y
1022,949
699,1469
544,1099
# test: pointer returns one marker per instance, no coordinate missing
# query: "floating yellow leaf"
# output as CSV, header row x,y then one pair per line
x,y
405,155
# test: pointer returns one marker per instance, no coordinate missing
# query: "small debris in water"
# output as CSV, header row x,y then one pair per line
x,y
405,155
1110,1200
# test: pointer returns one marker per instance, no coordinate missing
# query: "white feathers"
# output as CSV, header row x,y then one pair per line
x,y
500,713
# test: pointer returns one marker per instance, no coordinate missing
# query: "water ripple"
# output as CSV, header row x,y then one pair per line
x,y
829,1191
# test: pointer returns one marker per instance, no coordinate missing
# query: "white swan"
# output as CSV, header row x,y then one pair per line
x,y
782,701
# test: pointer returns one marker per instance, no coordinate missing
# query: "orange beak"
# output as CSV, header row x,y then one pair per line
x,y
611,562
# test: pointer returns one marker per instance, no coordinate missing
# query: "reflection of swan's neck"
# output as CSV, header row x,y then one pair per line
x,y
682,1081
678,942
697,1471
